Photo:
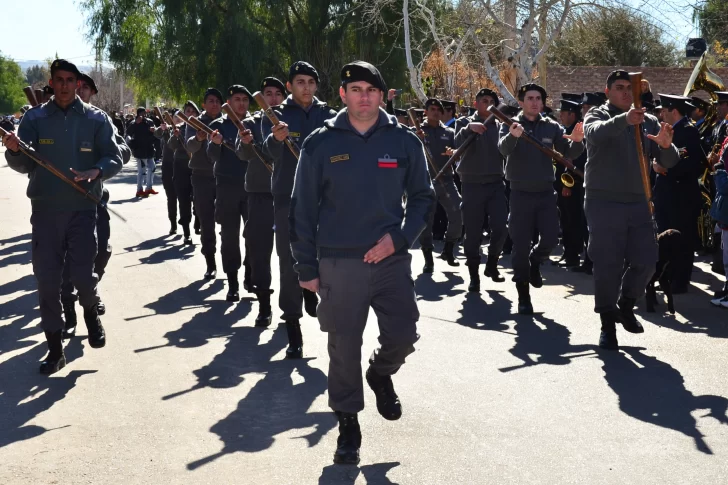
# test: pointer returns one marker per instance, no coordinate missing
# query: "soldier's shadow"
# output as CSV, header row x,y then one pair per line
x,y
169,248
16,250
654,392
477,314
374,474
21,310
428,289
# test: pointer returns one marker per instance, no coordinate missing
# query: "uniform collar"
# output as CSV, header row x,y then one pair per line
x,y
77,106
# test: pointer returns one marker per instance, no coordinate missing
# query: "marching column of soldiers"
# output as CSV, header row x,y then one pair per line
x,y
345,194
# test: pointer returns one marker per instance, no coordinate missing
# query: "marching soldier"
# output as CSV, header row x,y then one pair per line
x,y
449,109
86,89
531,175
438,139
481,174
259,227
697,115
181,173
165,133
677,192
714,140
621,229
569,198
231,202
350,237
203,178
300,114
75,137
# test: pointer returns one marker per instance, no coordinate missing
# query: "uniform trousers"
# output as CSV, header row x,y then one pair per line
x,y
481,201
182,181
258,234
290,298
620,232
103,233
204,192
348,289
57,237
446,194
571,215
168,184
531,212
231,206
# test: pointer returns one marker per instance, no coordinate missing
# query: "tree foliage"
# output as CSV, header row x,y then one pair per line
x,y
37,76
615,36
177,48
12,82
712,16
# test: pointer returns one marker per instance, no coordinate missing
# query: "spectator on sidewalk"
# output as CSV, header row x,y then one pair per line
x,y
143,148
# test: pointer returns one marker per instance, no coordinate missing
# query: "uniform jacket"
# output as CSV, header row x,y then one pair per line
x,y
229,166
528,169
483,162
257,178
680,184
177,144
719,209
301,123
81,138
612,167
200,163
348,191
167,151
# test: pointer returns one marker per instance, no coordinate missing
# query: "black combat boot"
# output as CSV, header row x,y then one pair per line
x,y
186,232
491,270
388,403
56,359
101,308
524,298
211,267
69,315
474,285
429,263
265,314
197,226
96,333
233,288
608,337
629,321
310,302
349,440
448,253
172,227
295,340
534,276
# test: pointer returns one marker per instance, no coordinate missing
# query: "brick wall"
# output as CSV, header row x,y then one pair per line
x,y
667,80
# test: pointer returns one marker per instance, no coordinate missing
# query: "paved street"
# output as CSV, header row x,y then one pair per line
x,y
187,391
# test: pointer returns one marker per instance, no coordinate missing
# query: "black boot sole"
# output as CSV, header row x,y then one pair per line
x,y
608,343
97,344
295,353
428,269
388,414
346,459
263,321
48,368
474,288
525,309
210,275
497,278
232,297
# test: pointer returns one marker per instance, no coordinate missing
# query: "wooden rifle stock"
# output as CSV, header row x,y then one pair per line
x,y
200,126
239,125
158,112
636,79
30,96
541,147
274,119
428,155
39,96
462,149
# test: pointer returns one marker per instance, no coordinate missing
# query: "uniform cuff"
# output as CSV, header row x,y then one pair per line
x,y
399,240
307,273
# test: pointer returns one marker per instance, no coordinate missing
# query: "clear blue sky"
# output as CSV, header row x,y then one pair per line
x,y
61,28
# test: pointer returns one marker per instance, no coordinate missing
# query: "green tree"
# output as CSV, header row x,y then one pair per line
x,y
616,36
712,17
37,76
11,85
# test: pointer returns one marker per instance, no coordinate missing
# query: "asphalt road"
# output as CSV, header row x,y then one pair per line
x,y
187,390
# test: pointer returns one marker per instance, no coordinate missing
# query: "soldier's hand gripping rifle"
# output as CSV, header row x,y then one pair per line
x,y
239,125
463,148
274,119
200,126
428,155
40,160
169,121
541,147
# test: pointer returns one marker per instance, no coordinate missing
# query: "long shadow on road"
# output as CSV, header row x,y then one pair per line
x,y
375,474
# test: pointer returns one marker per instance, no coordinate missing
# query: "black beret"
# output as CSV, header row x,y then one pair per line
x,y
212,92
531,87
434,102
272,82
447,104
602,95
301,67
618,75
591,99
509,110
699,103
192,104
362,71
88,80
722,96
239,89
47,89
570,106
672,101
64,65
400,112
141,110
572,97
488,92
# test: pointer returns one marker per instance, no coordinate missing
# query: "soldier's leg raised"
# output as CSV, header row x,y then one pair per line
x,y
228,216
204,191
259,248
